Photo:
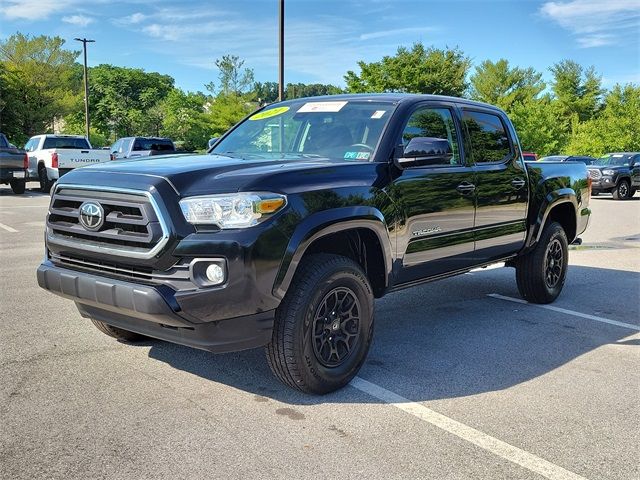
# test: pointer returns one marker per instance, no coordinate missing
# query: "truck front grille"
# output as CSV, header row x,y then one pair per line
x,y
121,222
595,174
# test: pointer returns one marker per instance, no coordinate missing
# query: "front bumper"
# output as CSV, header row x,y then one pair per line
x,y
603,184
153,311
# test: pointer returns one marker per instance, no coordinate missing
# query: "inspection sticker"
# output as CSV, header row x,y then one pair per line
x,y
357,155
322,107
378,113
272,112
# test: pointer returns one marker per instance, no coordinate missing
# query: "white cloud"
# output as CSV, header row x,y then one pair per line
x,y
396,31
132,19
32,9
80,20
596,23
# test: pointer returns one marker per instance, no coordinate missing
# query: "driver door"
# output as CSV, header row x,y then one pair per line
x,y
436,201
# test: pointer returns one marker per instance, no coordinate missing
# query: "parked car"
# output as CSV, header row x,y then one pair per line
x,y
529,156
13,165
310,209
587,160
51,156
132,147
616,173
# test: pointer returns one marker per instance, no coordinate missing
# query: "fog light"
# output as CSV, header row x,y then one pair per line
x,y
215,273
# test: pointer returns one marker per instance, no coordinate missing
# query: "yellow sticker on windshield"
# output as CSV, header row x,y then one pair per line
x,y
272,112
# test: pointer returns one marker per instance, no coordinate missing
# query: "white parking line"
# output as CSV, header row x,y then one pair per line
x,y
8,228
567,312
487,442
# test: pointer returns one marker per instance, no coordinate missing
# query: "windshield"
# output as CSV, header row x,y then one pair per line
x,y
613,160
553,158
347,130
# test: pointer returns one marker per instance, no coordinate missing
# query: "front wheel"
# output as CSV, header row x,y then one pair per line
x,y
324,325
18,186
541,273
622,191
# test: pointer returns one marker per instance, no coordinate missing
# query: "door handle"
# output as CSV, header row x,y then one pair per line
x,y
518,183
466,188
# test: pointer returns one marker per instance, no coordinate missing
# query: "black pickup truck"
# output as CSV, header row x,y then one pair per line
x,y
299,217
616,173
13,165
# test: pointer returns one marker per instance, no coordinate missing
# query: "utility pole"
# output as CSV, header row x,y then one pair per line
x,y
281,52
86,83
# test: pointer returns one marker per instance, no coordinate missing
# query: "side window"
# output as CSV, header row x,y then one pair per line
x,y
3,142
433,123
124,147
115,148
488,136
31,145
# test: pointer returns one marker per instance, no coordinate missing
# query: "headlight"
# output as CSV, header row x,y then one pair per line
x,y
608,172
236,210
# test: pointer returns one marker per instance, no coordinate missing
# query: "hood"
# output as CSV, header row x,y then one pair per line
x,y
207,174
605,167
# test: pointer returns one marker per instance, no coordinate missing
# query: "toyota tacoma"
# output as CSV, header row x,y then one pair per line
x,y
299,217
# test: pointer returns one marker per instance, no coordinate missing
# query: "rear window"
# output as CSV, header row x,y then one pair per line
x,y
154,144
66,142
488,135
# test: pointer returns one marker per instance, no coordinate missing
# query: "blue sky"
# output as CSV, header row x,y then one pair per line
x,y
326,38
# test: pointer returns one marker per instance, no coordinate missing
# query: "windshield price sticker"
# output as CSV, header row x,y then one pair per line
x,y
322,107
269,113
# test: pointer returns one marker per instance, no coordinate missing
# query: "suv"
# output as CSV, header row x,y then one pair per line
x,y
616,173
300,217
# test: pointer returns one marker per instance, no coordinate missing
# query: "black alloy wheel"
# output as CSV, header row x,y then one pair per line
x,y
336,327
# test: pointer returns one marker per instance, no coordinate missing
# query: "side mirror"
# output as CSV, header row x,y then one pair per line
x,y
211,142
425,151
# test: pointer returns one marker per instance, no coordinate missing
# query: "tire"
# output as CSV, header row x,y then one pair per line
x,y
18,186
315,348
118,333
595,194
539,277
45,183
622,190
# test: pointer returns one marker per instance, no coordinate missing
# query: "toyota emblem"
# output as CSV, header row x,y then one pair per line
x,y
91,216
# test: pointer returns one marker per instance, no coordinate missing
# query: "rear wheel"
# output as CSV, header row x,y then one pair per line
x,y
119,333
45,183
541,273
622,190
18,185
324,325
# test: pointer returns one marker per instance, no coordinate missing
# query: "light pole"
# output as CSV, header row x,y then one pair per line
x,y
86,83
281,52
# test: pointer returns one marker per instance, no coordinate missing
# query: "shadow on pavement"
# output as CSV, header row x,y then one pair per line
x,y
442,340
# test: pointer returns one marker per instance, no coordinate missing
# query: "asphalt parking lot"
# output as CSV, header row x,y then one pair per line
x,y
462,381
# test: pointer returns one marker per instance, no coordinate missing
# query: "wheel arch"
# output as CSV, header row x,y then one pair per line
x,y
559,206
359,233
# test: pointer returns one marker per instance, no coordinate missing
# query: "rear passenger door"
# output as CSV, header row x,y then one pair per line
x,y
502,189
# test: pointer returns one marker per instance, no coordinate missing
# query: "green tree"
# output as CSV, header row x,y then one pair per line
x,y
540,126
227,110
578,90
616,128
418,70
41,83
299,90
501,85
123,100
184,119
234,79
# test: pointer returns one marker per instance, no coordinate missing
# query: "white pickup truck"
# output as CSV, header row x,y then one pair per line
x,y
51,156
